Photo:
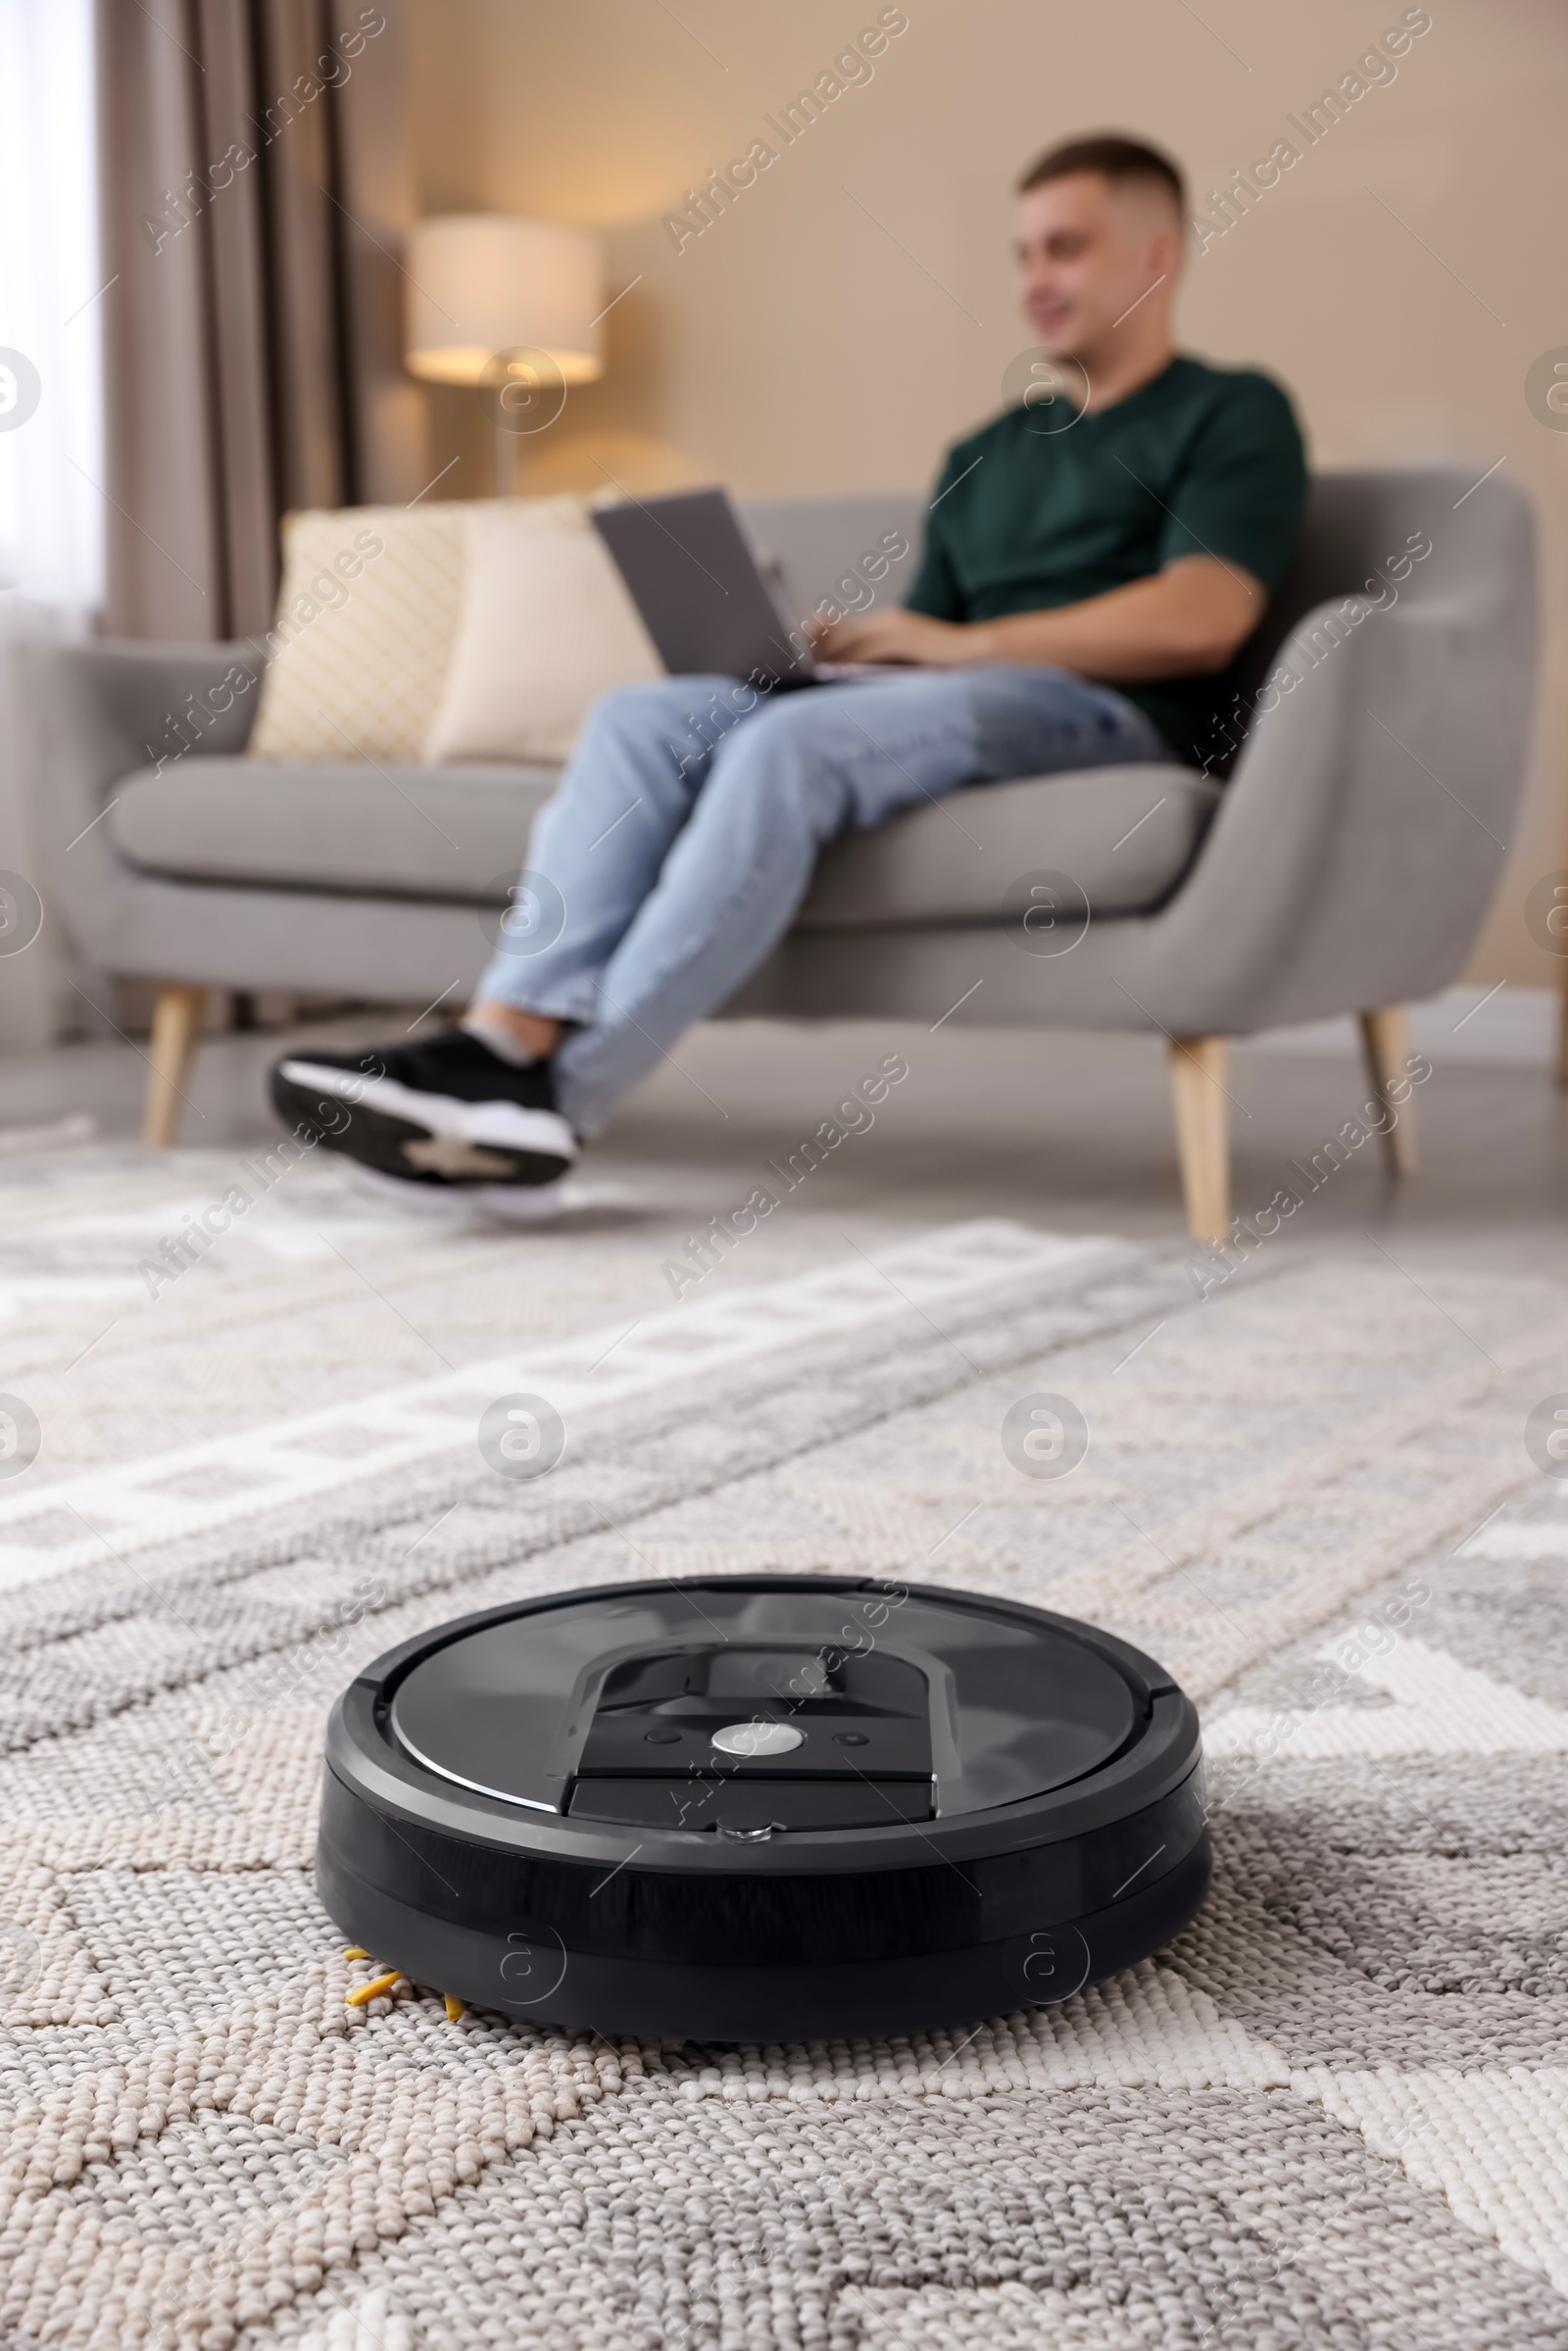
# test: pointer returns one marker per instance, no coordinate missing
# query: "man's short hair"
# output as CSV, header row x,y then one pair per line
x,y
1120,161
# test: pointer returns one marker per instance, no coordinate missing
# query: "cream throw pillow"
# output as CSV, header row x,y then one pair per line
x,y
545,624
366,616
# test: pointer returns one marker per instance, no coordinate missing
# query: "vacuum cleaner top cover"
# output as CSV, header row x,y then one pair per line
x,y
764,1704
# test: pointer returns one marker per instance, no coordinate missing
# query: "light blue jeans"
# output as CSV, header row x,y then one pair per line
x,y
682,835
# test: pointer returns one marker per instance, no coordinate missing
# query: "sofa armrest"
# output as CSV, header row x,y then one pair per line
x,y
95,713
1352,857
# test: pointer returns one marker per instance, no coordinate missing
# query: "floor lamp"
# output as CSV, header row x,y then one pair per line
x,y
512,307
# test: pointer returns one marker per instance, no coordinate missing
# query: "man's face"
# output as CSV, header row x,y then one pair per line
x,y
1086,252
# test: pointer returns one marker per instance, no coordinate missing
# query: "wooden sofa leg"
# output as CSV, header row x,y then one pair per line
x,y
1386,1035
177,1024
1203,1143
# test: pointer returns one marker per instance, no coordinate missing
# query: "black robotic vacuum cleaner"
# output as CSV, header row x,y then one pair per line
x,y
762,1808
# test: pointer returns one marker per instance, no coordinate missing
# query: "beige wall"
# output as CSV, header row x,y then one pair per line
x,y
854,310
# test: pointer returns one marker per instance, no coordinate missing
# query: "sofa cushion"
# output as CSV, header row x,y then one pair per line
x,y
547,625
415,832
366,612
1125,835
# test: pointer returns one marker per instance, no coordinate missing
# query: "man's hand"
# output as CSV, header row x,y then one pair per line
x,y
892,636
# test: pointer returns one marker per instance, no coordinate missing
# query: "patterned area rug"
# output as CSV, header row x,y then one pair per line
x,y
1333,2113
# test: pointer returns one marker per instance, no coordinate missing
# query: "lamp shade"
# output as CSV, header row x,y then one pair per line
x,y
482,282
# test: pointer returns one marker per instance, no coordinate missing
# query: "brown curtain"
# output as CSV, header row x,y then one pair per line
x,y
254,187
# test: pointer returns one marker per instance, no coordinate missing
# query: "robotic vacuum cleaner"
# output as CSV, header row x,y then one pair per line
x,y
762,1808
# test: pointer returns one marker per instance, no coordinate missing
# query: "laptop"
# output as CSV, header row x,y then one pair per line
x,y
691,572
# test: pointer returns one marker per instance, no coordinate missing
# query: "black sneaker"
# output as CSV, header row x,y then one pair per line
x,y
444,1110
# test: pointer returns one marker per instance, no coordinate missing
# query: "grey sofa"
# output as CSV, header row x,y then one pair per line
x,y
1344,866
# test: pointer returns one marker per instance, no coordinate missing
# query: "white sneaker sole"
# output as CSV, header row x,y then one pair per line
x,y
509,1126
441,1203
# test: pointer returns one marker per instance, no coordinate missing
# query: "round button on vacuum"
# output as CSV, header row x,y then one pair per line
x,y
757,1738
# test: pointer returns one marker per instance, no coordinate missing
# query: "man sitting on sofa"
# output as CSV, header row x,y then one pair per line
x,y
1095,562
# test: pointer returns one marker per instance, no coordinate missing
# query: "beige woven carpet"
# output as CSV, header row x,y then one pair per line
x,y
1334,2114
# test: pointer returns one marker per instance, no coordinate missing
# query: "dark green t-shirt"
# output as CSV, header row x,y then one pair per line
x,y
1202,461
